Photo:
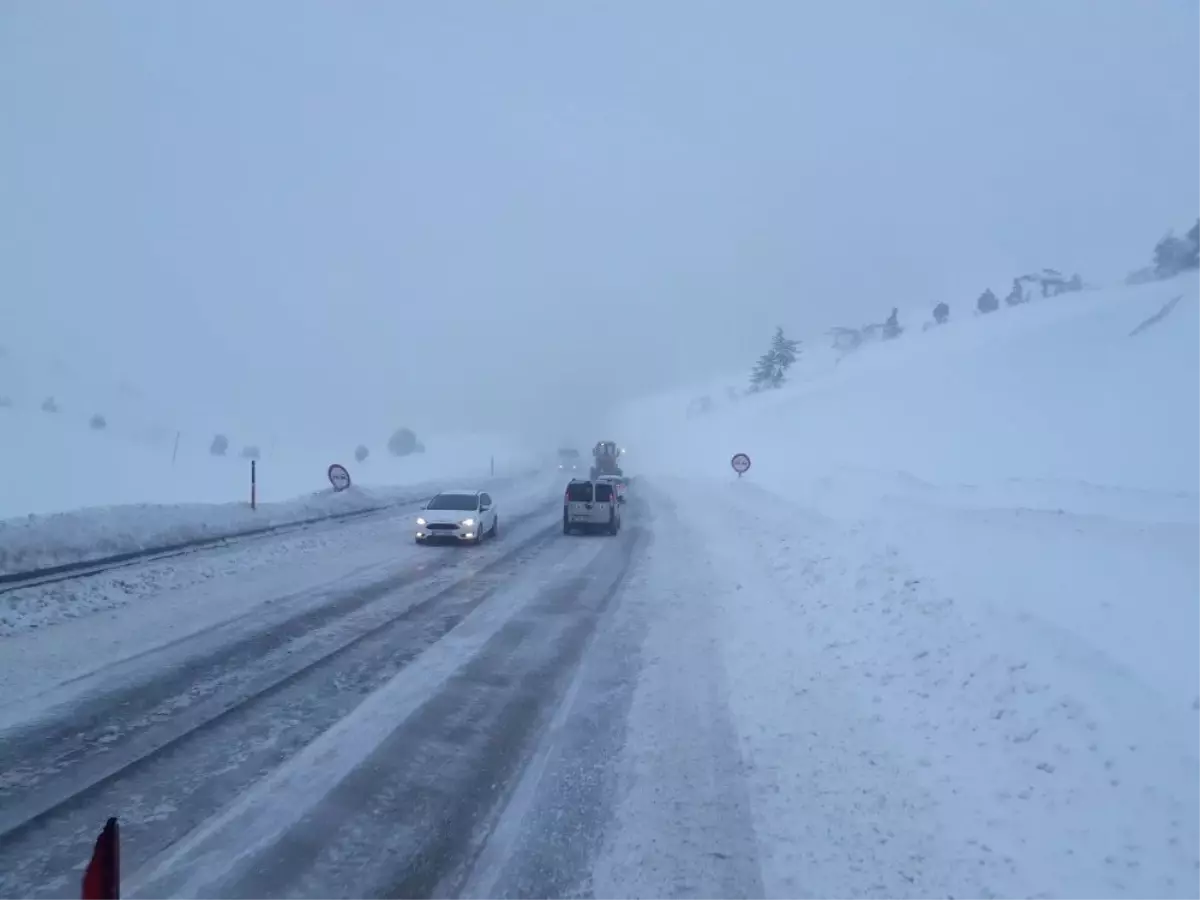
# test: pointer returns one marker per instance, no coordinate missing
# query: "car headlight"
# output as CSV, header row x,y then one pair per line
x,y
421,521
467,523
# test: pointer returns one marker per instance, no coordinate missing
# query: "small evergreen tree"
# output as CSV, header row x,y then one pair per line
x,y
941,313
1017,295
763,374
771,368
891,328
785,351
987,302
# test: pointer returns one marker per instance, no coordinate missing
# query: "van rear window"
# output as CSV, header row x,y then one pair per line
x,y
579,492
604,492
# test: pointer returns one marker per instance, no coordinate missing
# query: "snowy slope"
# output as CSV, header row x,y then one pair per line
x,y
147,479
148,453
952,611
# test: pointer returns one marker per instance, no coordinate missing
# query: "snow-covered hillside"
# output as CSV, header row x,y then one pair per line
x,y
965,562
143,476
58,460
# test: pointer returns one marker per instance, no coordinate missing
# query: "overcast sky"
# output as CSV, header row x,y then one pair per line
x,y
478,213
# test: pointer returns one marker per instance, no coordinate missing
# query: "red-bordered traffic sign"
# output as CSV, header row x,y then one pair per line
x,y
339,477
740,463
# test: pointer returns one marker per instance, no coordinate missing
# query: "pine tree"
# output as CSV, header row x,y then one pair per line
x,y
785,351
764,372
1017,295
891,328
771,368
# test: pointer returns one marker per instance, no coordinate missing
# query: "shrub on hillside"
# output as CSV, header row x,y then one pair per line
x,y
361,452
1173,255
987,302
48,405
251,452
1052,282
845,340
891,328
403,442
219,445
1017,295
941,313
98,422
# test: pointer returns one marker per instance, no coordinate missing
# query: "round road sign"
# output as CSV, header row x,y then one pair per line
x,y
740,463
339,477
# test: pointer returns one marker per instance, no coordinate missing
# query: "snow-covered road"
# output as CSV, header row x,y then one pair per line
x,y
736,696
254,682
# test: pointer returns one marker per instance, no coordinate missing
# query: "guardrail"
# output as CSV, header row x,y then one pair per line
x,y
11,581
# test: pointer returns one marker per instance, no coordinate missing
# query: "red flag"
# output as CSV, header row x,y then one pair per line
x,y
102,878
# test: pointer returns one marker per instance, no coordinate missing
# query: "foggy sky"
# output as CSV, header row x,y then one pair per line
x,y
516,213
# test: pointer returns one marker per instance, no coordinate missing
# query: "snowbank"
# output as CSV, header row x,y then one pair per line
x,y
959,594
36,542
74,493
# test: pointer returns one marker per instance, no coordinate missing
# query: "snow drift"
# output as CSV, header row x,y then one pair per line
x,y
965,562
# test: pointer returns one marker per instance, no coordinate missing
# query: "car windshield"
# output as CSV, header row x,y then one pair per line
x,y
454,501
568,454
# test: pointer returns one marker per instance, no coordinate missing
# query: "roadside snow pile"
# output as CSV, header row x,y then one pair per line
x,y
36,542
963,576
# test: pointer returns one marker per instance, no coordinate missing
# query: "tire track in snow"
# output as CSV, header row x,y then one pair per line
x,y
219,722
403,791
682,822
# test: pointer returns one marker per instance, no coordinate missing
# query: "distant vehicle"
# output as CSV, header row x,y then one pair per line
x,y
604,459
591,506
458,516
620,482
569,460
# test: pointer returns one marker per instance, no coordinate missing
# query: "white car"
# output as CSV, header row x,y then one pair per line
x,y
458,516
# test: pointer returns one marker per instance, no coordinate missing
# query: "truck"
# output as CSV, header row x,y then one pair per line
x,y
604,459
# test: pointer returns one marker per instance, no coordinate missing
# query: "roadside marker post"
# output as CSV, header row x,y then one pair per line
x,y
253,484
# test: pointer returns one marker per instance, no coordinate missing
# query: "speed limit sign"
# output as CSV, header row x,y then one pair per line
x,y
740,463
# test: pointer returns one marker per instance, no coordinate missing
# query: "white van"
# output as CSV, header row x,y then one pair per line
x,y
591,506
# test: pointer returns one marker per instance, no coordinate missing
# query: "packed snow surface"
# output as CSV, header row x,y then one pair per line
x,y
952,611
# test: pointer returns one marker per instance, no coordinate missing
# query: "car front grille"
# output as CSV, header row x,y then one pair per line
x,y
439,526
